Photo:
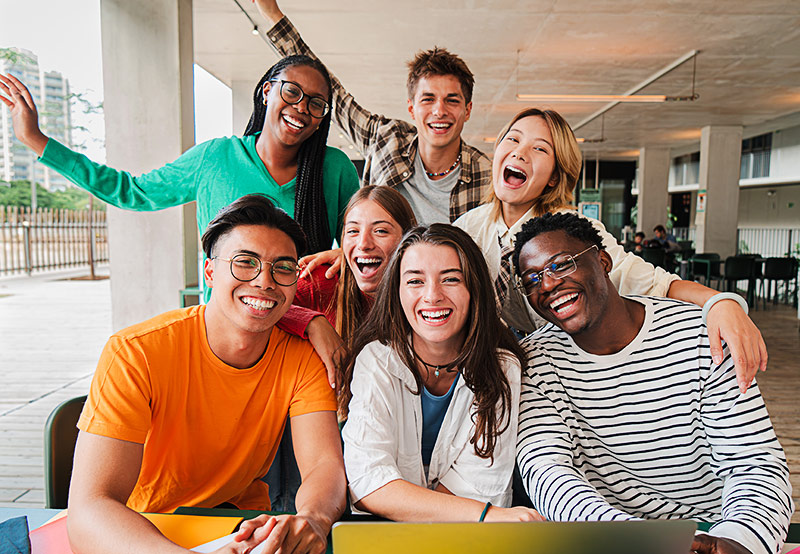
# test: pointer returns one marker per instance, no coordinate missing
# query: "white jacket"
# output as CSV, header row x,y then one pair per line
x,y
383,433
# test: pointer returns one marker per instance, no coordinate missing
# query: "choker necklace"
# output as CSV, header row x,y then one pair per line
x,y
436,368
442,174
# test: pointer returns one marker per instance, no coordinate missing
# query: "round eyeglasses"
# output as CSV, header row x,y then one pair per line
x,y
245,268
557,269
292,94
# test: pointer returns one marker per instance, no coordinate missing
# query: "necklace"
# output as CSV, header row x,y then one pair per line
x,y
442,174
436,368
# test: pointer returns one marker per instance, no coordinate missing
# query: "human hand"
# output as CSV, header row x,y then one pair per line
x,y
250,534
328,344
269,10
312,261
706,544
517,513
24,116
727,321
298,534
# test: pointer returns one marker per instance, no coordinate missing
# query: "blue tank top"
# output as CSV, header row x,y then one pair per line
x,y
433,410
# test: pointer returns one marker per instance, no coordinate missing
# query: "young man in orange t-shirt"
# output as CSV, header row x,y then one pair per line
x,y
188,408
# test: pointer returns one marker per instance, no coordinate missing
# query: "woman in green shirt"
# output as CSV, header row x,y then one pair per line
x,y
282,155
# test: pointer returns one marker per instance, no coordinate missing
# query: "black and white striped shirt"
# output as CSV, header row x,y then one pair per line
x,y
653,431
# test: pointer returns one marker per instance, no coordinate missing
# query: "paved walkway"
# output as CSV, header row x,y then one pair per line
x,y
52,330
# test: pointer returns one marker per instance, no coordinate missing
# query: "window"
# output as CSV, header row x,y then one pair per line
x,y
755,157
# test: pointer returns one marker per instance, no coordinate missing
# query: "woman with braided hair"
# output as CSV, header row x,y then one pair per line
x,y
282,155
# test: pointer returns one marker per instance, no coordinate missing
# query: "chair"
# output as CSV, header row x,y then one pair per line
x,y
60,434
706,266
777,270
654,255
740,268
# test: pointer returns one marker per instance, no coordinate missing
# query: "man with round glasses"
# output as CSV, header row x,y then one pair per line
x,y
188,408
623,414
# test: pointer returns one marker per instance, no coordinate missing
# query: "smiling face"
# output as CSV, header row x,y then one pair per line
x,y
369,238
523,165
435,299
439,110
291,124
577,303
253,307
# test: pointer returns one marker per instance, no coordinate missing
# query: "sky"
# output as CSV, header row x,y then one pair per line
x,y
65,35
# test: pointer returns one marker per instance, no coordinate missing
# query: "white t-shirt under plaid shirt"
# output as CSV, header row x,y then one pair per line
x,y
653,431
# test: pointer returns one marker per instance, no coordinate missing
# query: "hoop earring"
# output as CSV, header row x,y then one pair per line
x,y
265,101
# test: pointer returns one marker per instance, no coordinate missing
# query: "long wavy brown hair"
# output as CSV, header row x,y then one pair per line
x,y
351,304
479,360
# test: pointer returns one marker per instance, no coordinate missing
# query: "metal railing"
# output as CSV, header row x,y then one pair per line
x,y
768,242
45,239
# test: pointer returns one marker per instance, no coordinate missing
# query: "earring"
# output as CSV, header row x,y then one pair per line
x,y
265,101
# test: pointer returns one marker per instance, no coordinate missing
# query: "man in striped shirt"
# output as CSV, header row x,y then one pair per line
x,y
623,414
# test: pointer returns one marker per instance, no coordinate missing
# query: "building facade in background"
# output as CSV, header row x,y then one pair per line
x,y
51,93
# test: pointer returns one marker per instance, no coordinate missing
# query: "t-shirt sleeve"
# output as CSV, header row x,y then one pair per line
x,y
119,399
170,185
312,391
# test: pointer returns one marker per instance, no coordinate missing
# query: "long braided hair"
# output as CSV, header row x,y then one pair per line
x,y
310,210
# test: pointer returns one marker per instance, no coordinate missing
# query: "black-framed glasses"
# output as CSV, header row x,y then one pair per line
x,y
557,269
292,93
245,268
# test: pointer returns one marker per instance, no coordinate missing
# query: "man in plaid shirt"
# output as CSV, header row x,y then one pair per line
x,y
440,175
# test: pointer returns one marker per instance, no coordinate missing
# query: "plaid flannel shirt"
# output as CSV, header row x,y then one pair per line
x,y
388,145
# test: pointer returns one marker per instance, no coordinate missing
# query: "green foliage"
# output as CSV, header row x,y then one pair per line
x,y
18,193
15,57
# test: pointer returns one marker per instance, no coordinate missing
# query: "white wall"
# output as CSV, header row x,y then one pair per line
x,y
770,206
785,155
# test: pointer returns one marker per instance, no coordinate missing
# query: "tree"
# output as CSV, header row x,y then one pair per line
x,y
18,193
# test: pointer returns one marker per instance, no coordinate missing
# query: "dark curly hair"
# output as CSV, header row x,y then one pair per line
x,y
310,210
571,223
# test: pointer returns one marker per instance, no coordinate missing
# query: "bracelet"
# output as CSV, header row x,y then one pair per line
x,y
485,510
723,296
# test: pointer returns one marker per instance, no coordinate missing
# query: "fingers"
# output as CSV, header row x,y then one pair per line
x,y
715,344
249,527
15,88
272,541
333,270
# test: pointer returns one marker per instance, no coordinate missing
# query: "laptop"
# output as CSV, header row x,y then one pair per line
x,y
592,537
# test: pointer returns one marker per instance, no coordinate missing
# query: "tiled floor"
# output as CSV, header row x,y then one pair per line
x,y
52,331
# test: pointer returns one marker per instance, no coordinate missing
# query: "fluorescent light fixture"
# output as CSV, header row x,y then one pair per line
x,y
645,98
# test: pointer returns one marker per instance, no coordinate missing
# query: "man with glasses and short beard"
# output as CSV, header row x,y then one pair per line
x,y
441,176
188,408
624,415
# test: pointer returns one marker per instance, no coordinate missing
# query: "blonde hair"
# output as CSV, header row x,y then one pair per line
x,y
567,168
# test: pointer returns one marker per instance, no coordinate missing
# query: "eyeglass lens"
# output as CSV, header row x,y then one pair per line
x,y
246,268
293,94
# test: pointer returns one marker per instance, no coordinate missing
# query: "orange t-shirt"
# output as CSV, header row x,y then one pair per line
x,y
210,431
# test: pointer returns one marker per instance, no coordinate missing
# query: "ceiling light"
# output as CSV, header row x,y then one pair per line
x,y
255,30
647,98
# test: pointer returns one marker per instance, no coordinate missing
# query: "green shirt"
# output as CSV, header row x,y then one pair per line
x,y
214,173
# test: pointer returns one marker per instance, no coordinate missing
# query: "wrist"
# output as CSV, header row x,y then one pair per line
x,y
719,297
37,142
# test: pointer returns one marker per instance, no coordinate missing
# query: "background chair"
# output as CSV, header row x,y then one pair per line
x,y
778,270
706,265
60,434
741,268
654,255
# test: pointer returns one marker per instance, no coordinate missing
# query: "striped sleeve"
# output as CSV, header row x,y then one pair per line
x,y
756,498
558,490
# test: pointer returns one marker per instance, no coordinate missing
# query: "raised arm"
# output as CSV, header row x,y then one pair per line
x,y
360,125
174,184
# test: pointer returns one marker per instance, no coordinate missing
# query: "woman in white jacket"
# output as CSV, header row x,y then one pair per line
x,y
432,389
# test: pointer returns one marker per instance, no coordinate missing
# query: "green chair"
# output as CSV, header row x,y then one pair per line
x,y
60,434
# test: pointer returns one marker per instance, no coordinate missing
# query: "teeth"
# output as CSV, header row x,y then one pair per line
x,y
516,172
562,300
440,125
367,261
436,314
292,122
258,303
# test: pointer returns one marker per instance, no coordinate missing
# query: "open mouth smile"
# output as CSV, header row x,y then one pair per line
x,y
436,316
293,123
368,265
564,305
514,176
440,126
258,304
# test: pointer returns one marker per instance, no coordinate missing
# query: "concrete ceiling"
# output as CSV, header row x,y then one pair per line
x,y
748,71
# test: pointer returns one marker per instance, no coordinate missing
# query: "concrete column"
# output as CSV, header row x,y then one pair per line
x,y
720,160
653,196
242,100
149,118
